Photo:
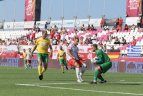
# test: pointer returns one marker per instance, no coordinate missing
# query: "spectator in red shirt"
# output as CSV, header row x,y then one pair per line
x,y
120,21
102,23
118,28
58,36
117,22
133,43
126,28
52,33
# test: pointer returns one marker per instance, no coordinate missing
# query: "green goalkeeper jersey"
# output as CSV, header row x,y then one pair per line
x,y
102,57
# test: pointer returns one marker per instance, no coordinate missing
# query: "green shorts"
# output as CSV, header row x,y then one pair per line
x,y
24,61
106,66
43,57
62,61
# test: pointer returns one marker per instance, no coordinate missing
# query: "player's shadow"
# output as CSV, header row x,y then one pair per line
x,y
129,84
123,83
117,83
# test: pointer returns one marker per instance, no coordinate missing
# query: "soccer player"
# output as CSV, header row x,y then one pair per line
x,y
42,45
75,59
29,57
61,57
23,55
103,64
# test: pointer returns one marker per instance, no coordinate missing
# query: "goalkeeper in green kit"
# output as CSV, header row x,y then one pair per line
x,y
102,64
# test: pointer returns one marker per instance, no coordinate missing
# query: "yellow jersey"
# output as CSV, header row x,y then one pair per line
x,y
61,54
24,55
42,45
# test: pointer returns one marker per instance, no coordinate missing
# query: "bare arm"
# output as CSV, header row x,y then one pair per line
x,y
57,56
34,48
51,51
69,53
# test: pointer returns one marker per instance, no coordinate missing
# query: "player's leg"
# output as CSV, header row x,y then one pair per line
x,y
101,78
78,71
25,65
61,62
65,64
45,62
105,67
30,65
40,66
83,68
97,72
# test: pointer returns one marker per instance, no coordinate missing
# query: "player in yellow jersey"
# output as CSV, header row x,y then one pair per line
x,y
61,57
42,45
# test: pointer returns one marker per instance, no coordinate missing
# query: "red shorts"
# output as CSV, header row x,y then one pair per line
x,y
28,61
71,62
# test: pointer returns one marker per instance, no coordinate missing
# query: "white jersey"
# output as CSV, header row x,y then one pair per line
x,y
28,57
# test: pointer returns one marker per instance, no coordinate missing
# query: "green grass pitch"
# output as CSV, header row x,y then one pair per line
x,y
22,82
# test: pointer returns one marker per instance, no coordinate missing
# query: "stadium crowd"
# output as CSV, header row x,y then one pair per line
x,y
87,35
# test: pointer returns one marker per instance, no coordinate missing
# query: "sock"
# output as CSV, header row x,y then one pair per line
x,y
26,66
62,68
77,72
66,67
43,70
39,70
96,73
83,69
100,77
80,74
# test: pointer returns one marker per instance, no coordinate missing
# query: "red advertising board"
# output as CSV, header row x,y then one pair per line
x,y
30,10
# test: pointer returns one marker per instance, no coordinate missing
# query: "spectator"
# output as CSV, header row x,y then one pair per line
x,y
133,43
58,36
139,22
123,41
133,27
8,42
93,28
52,33
117,22
117,41
120,21
82,28
88,28
54,41
46,25
55,28
126,28
118,28
102,23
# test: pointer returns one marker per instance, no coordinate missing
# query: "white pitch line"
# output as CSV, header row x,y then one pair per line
x,y
83,90
64,83
84,83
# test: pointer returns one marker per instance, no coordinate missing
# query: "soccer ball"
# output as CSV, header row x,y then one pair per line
x,y
93,60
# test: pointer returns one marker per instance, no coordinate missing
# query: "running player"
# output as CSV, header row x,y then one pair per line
x,y
103,64
75,59
61,57
42,45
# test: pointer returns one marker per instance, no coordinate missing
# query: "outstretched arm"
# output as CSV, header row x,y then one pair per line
x,y
34,48
51,50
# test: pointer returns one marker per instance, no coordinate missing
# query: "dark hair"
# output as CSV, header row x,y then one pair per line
x,y
76,38
95,45
43,32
